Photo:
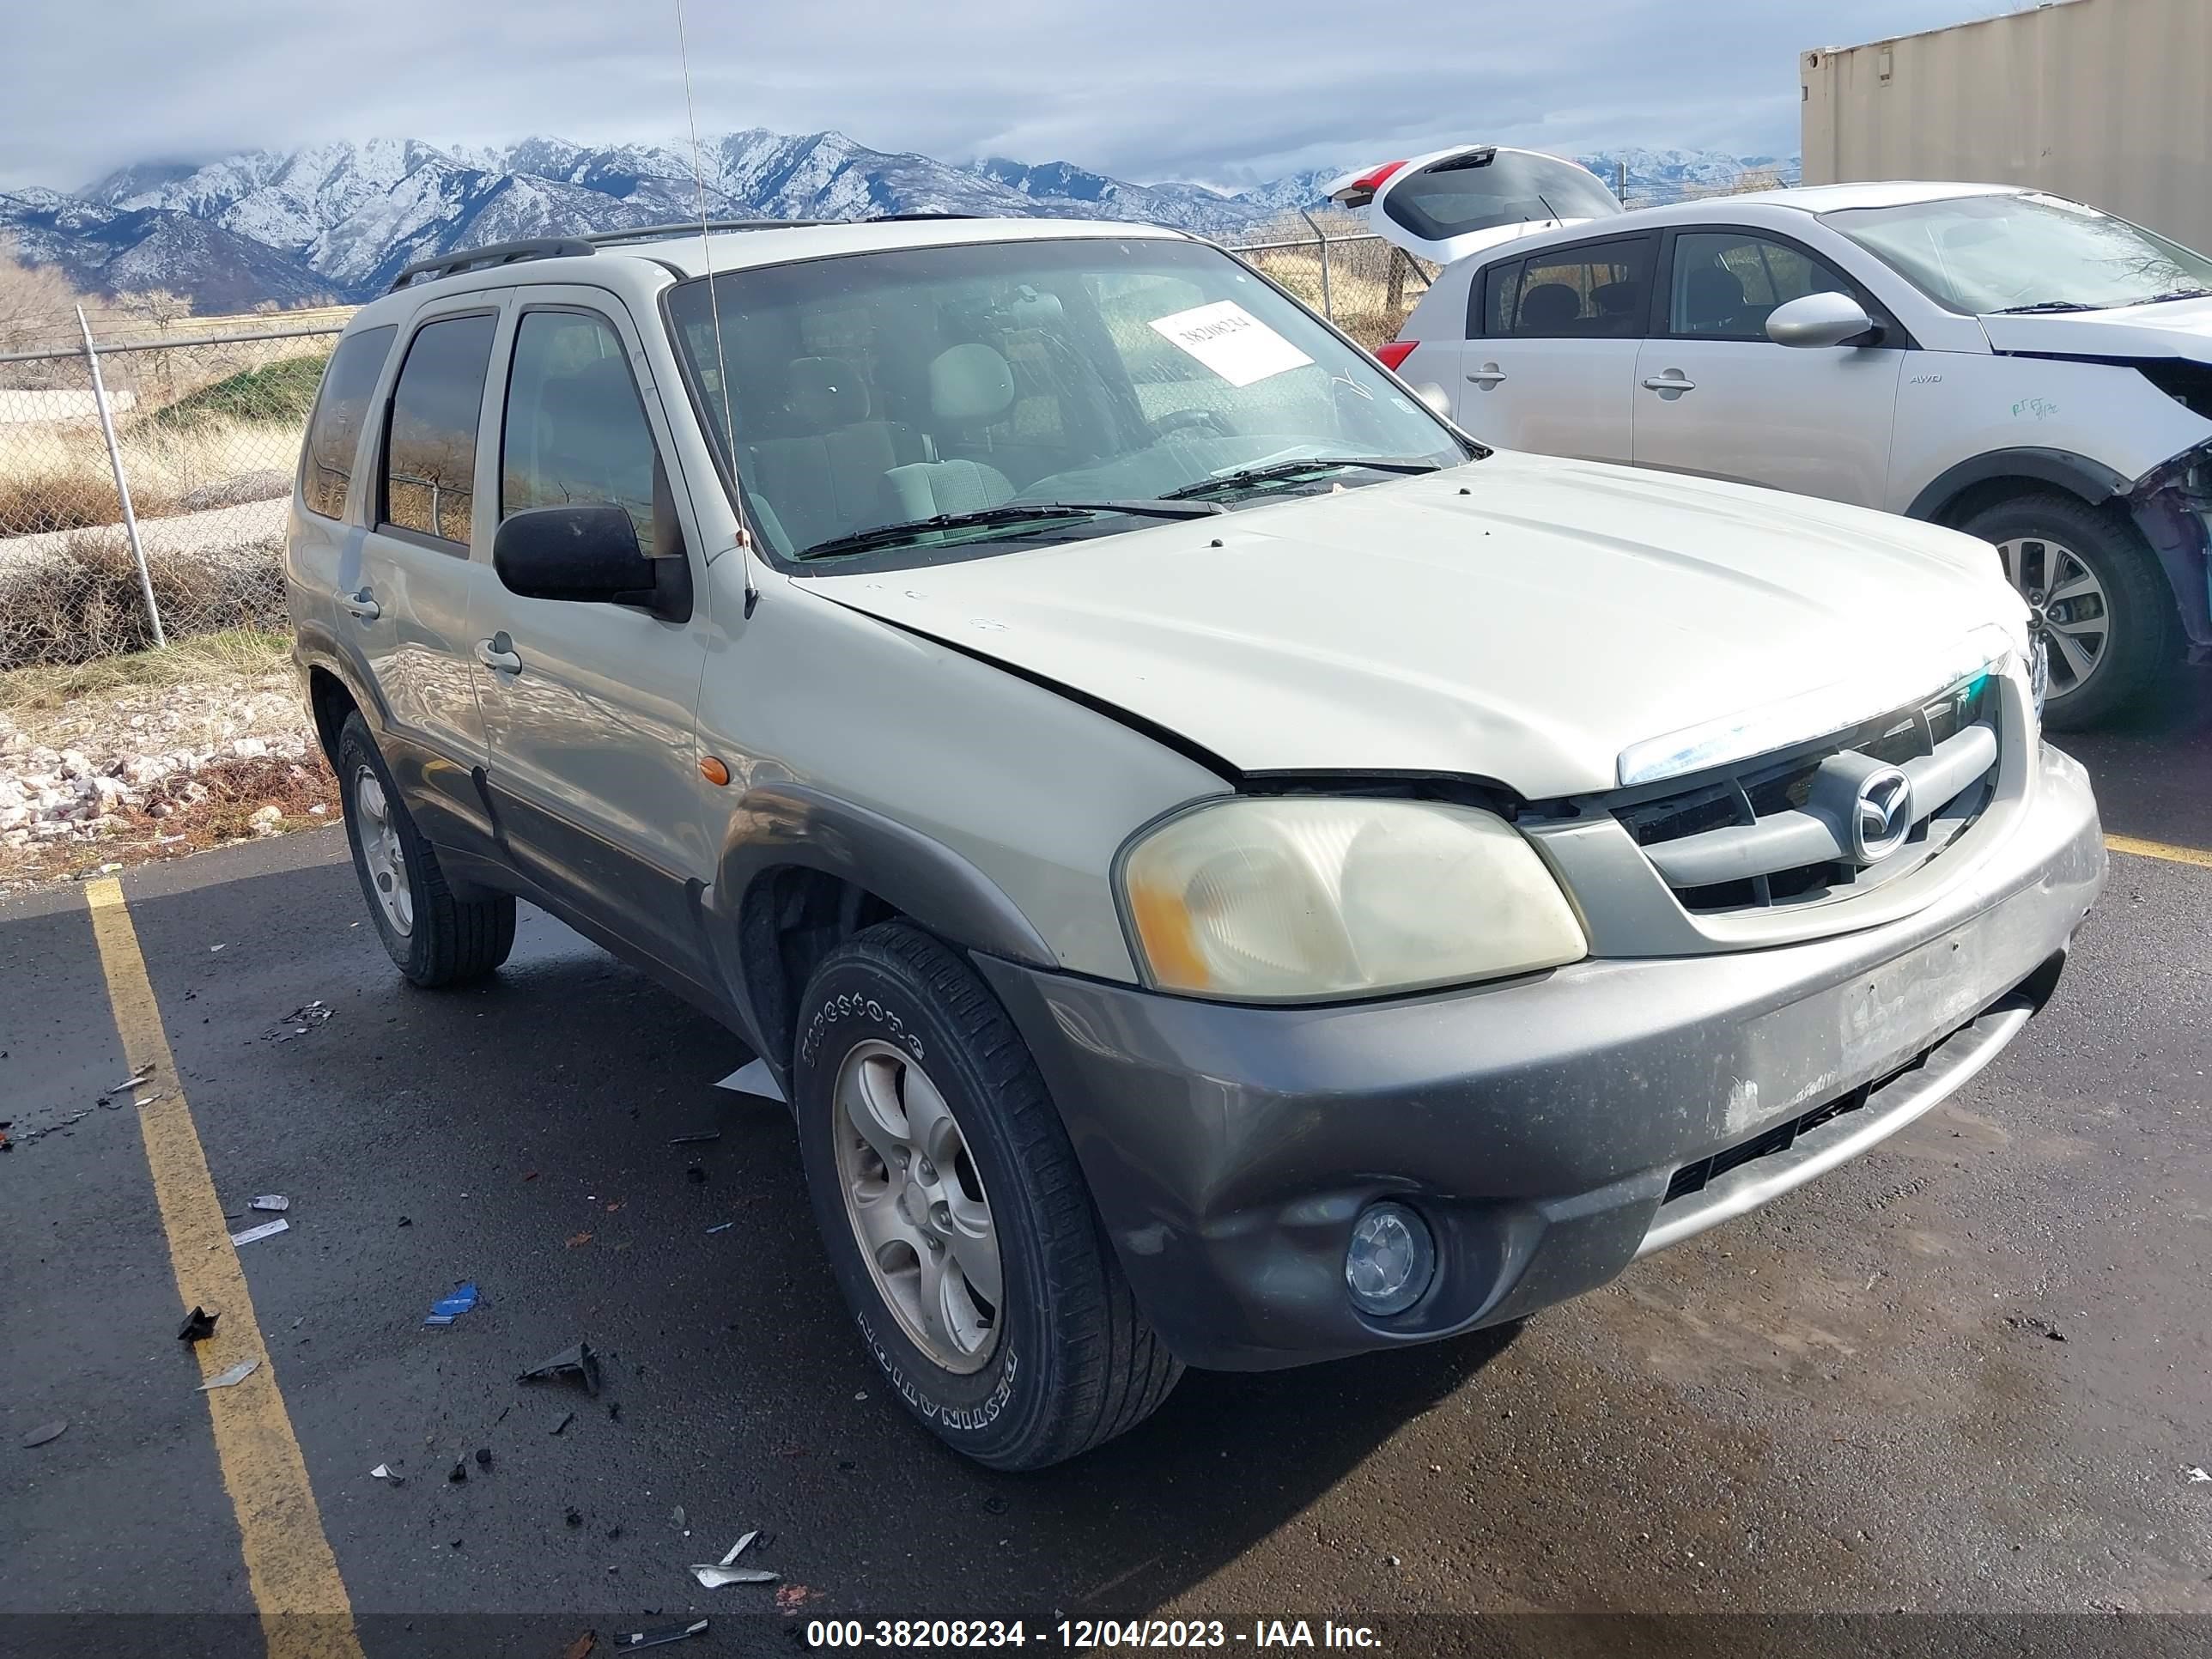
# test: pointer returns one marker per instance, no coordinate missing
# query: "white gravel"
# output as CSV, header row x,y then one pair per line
x,y
69,776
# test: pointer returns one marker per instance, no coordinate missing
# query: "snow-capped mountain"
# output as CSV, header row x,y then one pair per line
x,y
338,220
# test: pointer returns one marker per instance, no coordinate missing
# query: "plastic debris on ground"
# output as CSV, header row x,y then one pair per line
x,y
273,1203
714,1575
198,1326
2196,1475
388,1471
753,1077
448,1308
266,1229
699,1139
298,1022
579,1362
653,1638
724,1228
564,1423
458,1474
134,1080
45,1431
231,1378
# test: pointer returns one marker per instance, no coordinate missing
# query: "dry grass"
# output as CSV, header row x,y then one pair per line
x,y
240,653
55,476
86,606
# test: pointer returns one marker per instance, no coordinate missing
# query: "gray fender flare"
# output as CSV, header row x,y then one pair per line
x,y
793,825
2077,475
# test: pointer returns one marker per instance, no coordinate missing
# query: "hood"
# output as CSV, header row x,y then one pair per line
x,y
1522,618
2178,328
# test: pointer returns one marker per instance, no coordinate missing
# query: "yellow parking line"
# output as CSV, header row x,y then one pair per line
x,y
289,1568
2159,849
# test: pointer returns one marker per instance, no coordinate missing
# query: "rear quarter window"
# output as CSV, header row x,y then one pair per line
x,y
341,411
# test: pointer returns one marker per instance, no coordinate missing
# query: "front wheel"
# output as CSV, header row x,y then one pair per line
x,y
956,1217
2097,596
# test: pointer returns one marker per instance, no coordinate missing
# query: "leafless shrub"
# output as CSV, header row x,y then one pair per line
x,y
84,603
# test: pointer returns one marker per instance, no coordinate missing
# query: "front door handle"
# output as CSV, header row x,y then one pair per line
x,y
498,651
1673,380
362,606
1488,376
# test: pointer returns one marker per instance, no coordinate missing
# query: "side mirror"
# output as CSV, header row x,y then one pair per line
x,y
1435,397
1818,320
580,553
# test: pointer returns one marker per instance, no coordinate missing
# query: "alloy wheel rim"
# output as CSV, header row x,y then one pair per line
x,y
917,1207
2067,606
381,851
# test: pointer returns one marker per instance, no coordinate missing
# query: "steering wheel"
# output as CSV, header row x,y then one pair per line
x,y
1177,420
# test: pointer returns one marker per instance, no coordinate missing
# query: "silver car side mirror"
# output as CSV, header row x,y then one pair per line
x,y
1818,320
1435,397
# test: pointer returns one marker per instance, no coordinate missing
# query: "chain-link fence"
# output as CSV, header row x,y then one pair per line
x,y
143,487
1363,284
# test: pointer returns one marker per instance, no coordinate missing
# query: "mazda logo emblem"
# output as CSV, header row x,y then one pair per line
x,y
1881,818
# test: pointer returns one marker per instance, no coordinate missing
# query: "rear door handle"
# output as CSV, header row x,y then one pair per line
x,y
1488,376
1673,381
362,606
497,652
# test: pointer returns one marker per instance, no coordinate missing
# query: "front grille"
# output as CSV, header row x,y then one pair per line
x,y
1769,833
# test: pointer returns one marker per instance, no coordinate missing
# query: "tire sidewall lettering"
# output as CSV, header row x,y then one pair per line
x,y
835,1011
958,1419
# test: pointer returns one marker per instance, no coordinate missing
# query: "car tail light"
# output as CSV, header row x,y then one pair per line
x,y
1395,353
1375,180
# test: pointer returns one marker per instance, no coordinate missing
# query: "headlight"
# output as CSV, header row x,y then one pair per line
x,y
1312,896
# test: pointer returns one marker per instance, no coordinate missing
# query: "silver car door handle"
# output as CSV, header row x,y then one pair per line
x,y
491,655
362,606
1488,376
1676,382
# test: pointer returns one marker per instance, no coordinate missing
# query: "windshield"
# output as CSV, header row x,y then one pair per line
x,y
1980,254
924,387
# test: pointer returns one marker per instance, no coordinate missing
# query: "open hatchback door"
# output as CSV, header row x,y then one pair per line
x,y
1452,203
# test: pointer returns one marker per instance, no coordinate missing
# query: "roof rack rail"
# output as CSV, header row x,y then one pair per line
x,y
692,228
496,253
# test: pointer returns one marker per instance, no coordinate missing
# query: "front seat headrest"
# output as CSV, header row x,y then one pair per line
x,y
826,393
969,383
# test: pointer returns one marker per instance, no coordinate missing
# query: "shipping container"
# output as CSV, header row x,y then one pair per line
x,y
2108,101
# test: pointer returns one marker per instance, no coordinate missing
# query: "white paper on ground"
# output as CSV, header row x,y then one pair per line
x,y
753,1077
1231,342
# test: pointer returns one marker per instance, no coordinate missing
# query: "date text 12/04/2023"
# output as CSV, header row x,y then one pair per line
x,y
1080,1634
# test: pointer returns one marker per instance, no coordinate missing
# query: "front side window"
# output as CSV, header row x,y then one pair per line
x,y
1727,283
430,449
879,390
2024,252
1598,290
341,411
576,434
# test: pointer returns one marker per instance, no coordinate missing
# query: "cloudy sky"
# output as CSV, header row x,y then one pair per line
x,y
1222,91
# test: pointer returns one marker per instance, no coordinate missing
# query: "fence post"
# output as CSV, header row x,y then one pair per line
x,y
122,483
1328,309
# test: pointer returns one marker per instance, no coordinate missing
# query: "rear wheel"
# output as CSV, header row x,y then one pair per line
x,y
2097,596
956,1217
435,938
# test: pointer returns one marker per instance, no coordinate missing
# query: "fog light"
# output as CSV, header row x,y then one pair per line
x,y
1390,1261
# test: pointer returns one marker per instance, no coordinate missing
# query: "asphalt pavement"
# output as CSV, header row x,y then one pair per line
x,y
1967,1376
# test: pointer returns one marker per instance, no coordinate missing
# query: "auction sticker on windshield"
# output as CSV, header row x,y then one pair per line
x,y
1231,342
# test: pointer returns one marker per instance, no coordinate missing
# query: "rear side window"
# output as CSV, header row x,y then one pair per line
x,y
576,434
430,452
1598,290
341,411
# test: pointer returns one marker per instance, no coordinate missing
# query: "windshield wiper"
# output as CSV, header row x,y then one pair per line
x,y
2044,305
1274,470
1011,512
2178,294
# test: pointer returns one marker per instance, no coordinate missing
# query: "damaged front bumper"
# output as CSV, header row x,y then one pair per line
x,y
2171,505
1548,1130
